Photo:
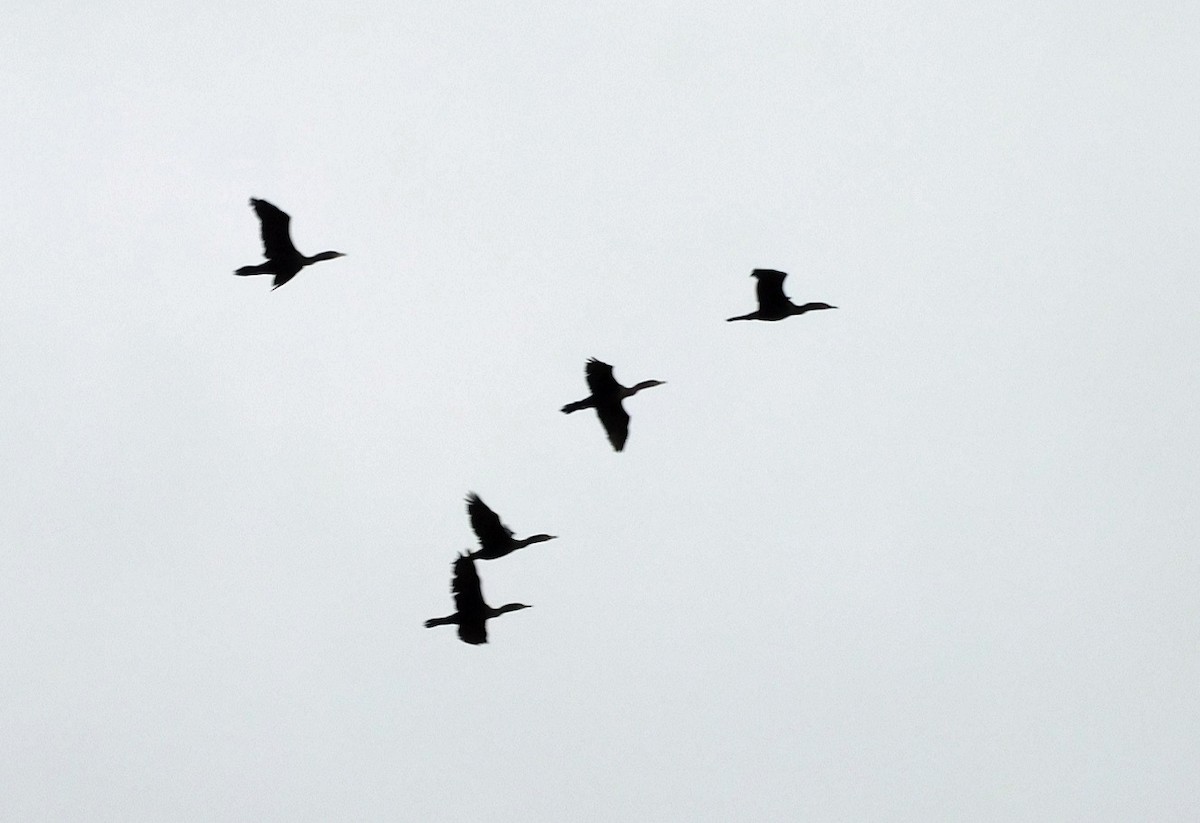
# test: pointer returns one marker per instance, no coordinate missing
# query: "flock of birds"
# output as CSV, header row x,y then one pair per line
x,y
471,611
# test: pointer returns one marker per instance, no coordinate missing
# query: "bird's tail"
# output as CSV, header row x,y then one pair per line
x,y
742,317
577,405
261,268
438,621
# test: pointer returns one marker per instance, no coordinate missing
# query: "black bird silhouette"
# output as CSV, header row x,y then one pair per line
x,y
471,613
773,304
606,398
495,539
283,260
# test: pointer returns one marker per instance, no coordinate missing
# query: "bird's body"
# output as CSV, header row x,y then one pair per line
x,y
773,304
606,398
283,260
471,612
495,539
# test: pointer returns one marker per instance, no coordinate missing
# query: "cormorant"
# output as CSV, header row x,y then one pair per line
x,y
471,613
772,303
495,539
606,398
283,260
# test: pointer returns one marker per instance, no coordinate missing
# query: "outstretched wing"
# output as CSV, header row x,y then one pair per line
x,y
465,586
276,231
468,602
486,523
616,423
771,299
474,633
600,379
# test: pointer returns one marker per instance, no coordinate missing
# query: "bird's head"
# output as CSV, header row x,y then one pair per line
x,y
815,306
767,273
512,607
540,538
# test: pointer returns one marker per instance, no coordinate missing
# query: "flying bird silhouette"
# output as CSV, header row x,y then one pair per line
x,y
283,260
495,539
773,304
471,613
606,398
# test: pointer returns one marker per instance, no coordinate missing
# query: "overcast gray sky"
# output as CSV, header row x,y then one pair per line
x,y
931,556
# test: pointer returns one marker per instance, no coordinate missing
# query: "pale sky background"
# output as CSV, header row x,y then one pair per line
x,y
932,556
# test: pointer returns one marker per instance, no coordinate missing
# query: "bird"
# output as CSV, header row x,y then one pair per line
x,y
773,304
283,260
495,539
606,398
471,613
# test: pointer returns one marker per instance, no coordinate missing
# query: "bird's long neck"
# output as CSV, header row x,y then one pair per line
x,y
507,607
810,307
325,255
533,538
645,384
